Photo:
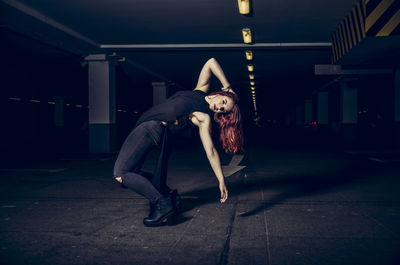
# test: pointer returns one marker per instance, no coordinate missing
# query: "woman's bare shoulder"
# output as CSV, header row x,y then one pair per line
x,y
198,118
201,115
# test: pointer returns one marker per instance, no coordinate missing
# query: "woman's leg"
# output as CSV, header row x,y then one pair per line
x,y
130,159
159,179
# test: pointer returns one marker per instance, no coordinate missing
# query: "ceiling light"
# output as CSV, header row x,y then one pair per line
x,y
246,32
252,83
244,7
251,76
252,88
250,67
249,55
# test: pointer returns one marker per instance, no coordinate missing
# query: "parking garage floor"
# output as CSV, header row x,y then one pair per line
x,y
288,206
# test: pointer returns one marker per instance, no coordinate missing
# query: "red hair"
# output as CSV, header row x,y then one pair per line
x,y
230,125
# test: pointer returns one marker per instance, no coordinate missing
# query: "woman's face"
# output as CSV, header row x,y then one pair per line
x,y
221,104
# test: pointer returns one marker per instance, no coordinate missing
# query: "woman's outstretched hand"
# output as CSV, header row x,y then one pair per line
x,y
228,89
224,192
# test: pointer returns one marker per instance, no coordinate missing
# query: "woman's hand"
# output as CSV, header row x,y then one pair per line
x,y
166,123
224,192
228,89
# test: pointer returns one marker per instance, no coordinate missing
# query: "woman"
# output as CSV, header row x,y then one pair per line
x,y
170,117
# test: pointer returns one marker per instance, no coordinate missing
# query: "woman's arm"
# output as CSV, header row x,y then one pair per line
x,y
203,121
211,67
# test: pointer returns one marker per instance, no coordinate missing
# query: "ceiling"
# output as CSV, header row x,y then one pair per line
x,y
171,39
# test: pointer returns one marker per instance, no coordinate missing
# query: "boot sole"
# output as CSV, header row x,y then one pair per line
x,y
167,219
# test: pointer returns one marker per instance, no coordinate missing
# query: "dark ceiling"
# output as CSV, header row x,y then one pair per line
x,y
172,39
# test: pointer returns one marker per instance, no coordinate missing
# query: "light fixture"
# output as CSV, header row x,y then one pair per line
x,y
250,67
249,55
253,92
246,32
252,88
252,83
244,7
251,76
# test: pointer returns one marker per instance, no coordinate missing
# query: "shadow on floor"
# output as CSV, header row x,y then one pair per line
x,y
290,186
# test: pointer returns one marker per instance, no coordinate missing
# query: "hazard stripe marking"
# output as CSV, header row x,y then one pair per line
x,y
390,25
377,13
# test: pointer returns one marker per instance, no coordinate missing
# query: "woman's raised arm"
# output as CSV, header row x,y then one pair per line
x,y
211,67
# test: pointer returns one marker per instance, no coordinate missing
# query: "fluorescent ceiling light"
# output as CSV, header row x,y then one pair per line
x,y
249,55
244,7
246,32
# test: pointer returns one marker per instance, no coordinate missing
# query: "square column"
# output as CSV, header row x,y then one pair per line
x,y
322,108
348,111
160,92
397,106
299,114
307,111
101,104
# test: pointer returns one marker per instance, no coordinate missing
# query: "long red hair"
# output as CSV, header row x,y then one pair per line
x,y
230,125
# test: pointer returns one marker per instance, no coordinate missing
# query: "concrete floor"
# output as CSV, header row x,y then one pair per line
x,y
291,206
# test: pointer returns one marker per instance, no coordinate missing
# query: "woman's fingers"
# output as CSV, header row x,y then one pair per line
x,y
224,195
230,90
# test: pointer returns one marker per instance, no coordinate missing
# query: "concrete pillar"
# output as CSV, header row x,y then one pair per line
x,y
101,104
307,111
299,114
160,92
348,111
397,106
59,112
322,108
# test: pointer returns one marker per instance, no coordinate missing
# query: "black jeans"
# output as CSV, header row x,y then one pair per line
x,y
130,159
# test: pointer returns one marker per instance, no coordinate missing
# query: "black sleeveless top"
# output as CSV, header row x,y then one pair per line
x,y
177,107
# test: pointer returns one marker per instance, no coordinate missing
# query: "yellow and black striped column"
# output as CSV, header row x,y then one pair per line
x,y
382,17
350,32
368,18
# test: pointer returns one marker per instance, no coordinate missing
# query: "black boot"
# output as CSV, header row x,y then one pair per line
x,y
176,201
152,207
163,211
